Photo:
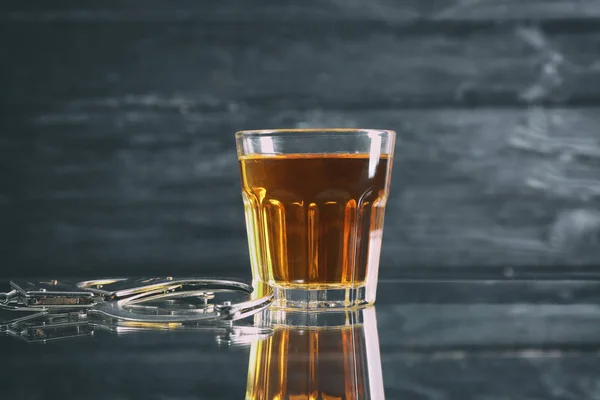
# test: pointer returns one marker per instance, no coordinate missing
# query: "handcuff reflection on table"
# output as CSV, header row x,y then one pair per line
x,y
292,353
60,309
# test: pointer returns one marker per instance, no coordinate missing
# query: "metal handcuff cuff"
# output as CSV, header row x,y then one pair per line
x,y
62,309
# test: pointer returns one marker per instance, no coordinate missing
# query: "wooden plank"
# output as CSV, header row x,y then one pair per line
x,y
288,10
221,65
135,190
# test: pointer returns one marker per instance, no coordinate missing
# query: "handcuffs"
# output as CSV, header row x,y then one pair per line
x,y
62,309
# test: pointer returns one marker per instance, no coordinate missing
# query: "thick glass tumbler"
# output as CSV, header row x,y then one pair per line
x,y
315,203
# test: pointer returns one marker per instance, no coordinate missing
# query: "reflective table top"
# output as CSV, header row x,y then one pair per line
x,y
423,340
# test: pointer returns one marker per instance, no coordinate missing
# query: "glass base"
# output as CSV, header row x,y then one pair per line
x,y
319,299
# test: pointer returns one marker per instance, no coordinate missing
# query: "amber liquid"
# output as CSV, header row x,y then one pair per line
x,y
314,219
323,364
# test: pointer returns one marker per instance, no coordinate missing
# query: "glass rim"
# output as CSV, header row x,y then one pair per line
x,y
283,131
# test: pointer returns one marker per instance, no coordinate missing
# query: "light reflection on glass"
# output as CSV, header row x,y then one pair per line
x,y
329,356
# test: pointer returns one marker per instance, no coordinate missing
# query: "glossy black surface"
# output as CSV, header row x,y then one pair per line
x,y
438,340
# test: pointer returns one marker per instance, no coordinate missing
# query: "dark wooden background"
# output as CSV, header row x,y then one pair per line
x,y
117,121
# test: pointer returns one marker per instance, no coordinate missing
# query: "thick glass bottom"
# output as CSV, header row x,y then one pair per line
x,y
320,299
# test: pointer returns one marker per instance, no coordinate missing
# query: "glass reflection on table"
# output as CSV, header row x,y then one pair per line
x,y
327,355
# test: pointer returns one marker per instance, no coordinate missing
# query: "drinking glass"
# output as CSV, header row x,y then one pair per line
x,y
314,202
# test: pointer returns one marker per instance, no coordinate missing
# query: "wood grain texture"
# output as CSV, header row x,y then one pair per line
x,y
298,65
116,147
286,10
112,188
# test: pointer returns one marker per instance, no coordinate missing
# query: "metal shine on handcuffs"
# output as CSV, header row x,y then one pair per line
x,y
60,309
